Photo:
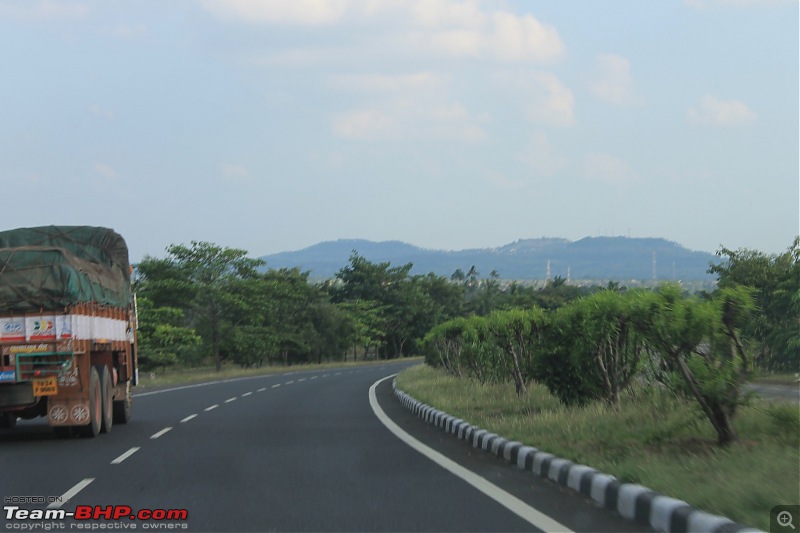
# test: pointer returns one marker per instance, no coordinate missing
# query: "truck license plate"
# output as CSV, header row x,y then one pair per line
x,y
45,387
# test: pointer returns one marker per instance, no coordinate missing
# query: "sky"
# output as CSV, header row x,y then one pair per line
x,y
272,125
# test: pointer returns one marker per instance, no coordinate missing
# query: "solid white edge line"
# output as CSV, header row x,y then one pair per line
x,y
67,496
160,433
188,418
125,455
509,501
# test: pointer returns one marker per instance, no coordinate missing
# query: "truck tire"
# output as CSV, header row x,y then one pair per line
x,y
122,408
95,407
107,394
7,420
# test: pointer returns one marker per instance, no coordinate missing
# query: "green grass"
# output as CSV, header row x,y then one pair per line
x,y
172,377
654,439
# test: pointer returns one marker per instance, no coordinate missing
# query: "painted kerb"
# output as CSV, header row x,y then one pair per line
x,y
629,500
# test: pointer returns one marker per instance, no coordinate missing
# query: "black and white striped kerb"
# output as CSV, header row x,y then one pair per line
x,y
631,501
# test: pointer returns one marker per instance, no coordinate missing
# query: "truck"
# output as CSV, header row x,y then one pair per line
x,y
68,345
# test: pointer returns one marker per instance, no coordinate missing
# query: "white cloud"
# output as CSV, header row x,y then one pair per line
x,y
102,113
713,111
540,155
503,182
705,4
548,100
43,9
612,81
297,12
234,172
105,171
128,31
388,82
503,36
448,27
365,124
409,120
609,170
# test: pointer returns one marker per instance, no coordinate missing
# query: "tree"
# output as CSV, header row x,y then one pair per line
x,y
776,280
606,335
700,342
162,338
211,271
390,289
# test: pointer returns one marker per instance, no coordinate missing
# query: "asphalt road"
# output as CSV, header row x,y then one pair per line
x,y
289,452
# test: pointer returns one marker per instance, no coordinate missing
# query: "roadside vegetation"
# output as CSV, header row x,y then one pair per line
x,y
654,437
644,384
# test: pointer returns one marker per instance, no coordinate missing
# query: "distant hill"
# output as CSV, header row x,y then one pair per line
x,y
591,258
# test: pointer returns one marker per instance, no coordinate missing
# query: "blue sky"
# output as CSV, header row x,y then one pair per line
x,y
272,125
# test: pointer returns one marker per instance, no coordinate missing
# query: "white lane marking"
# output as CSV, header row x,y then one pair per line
x,y
337,374
246,394
325,375
299,380
509,501
125,455
314,377
229,400
276,386
160,433
212,407
289,382
67,496
187,418
262,389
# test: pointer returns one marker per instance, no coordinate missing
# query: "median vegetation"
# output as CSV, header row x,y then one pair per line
x,y
653,437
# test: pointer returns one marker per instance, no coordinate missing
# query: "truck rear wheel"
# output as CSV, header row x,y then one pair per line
x,y
107,393
95,407
122,408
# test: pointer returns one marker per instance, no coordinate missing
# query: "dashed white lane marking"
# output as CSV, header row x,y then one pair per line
x,y
229,400
288,382
276,386
67,496
160,433
299,380
262,389
509,501
187,418
125,455
338,374
314,377
211,407
246,394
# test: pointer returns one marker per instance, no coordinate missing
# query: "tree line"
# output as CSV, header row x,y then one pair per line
x,y
703,346
205,303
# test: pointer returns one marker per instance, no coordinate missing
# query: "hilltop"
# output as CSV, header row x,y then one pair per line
x,y
590,258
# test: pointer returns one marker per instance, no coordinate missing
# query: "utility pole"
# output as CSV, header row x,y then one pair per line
x,y
654,266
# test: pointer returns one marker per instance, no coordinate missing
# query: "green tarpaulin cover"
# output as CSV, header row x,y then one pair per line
x,y
51,267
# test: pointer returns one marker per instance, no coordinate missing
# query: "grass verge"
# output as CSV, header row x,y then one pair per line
x,y
169,378
654,439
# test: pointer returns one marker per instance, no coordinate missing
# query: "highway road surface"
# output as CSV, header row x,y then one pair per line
x,y
304,451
